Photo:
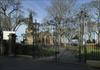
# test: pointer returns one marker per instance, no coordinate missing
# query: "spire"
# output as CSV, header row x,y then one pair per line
x,y
30,17
35,21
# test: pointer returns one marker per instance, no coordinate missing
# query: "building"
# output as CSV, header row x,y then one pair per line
x,y
31,31
32,34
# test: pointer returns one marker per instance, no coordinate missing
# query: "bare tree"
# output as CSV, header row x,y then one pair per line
x,y
9,11
58,11
83,19
59,8
96,4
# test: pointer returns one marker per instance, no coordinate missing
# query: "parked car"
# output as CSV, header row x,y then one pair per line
x,y
74,42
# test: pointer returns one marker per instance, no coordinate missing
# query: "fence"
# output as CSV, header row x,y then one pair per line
x,y
90,51
35,51
93,52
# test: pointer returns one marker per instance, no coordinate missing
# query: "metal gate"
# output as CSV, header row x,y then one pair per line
x,y
46,41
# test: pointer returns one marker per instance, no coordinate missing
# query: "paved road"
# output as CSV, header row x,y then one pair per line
x,y
68,57
11,63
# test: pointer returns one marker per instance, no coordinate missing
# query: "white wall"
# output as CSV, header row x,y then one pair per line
x,y
6,33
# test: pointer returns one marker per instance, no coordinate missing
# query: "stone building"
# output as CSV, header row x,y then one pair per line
x,y
32,34
31,31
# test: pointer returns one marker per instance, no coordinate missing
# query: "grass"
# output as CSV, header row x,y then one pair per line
x,y
47,51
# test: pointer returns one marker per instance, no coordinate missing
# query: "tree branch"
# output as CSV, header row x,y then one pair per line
x,y
12,11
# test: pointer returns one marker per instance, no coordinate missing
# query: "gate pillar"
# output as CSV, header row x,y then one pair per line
x,y
1,43
12,45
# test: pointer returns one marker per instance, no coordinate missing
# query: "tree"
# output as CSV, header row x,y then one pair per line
x,y
95,4
10,13
59,9
83,18
57,12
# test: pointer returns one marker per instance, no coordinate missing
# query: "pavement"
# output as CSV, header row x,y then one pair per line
x,y
67,56
94,63
22,63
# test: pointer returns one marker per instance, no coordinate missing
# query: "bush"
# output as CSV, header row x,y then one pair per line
x,y
47,51
89,41
93,40
35,51
24,50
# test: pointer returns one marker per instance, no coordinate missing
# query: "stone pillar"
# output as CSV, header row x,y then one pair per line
x,y
12,45
1,44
